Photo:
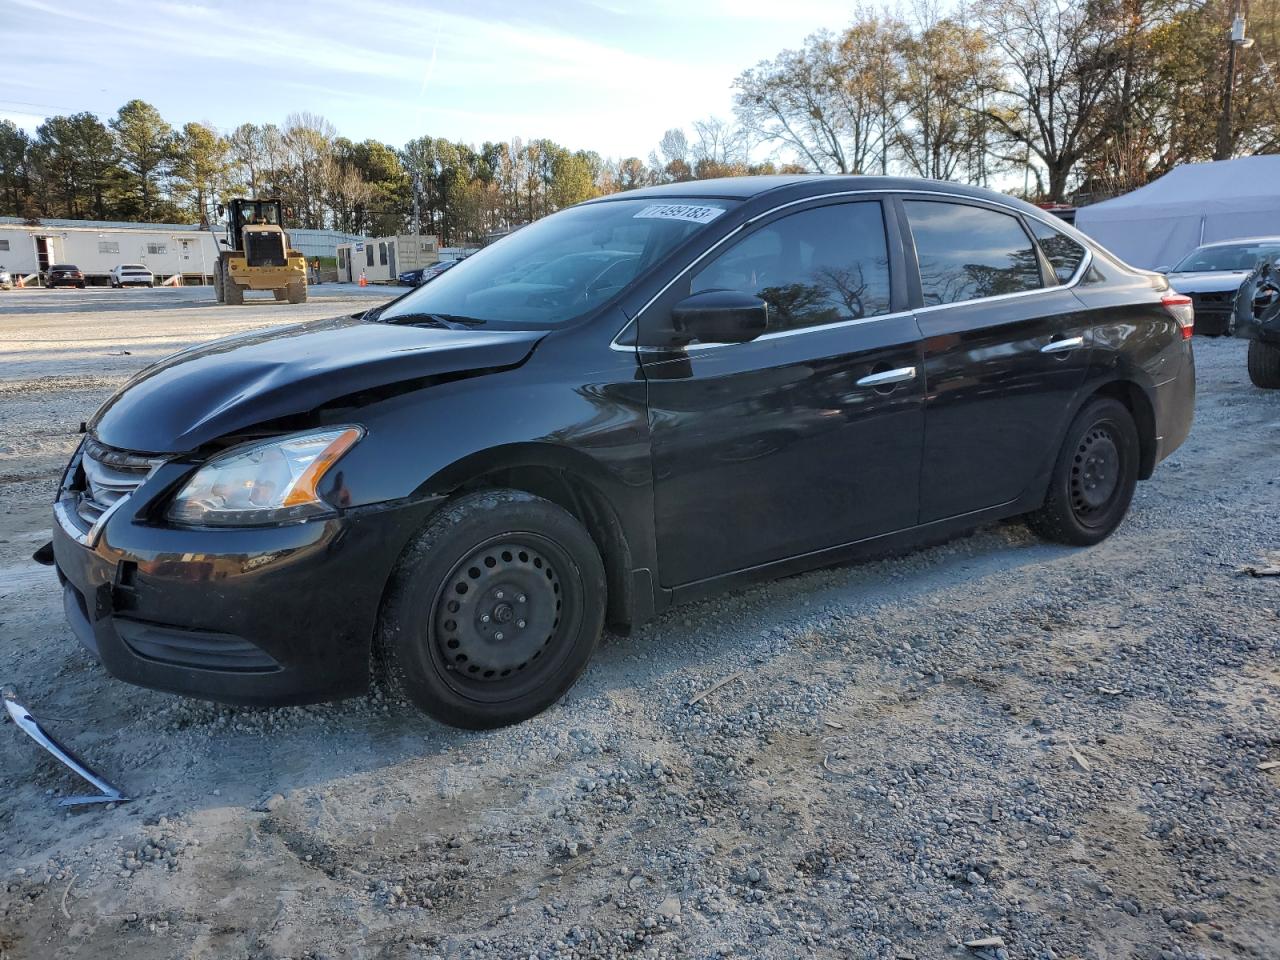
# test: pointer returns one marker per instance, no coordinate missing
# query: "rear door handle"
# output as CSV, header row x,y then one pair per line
x,y
886,377
1061,346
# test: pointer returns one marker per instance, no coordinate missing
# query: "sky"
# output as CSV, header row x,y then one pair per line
x,y
608,75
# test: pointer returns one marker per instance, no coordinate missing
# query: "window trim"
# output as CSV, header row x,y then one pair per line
x,y
894,194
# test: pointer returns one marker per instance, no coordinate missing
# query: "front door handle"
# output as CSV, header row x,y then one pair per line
x,y
1062,346
886,377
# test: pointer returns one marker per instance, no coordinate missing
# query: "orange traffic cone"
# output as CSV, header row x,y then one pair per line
x,y
363,281
22,281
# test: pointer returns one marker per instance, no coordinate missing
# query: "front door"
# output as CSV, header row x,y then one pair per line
x,y
806,438
1006,349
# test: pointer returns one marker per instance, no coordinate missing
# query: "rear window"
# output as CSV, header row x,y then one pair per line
x,y
134,266
1063,253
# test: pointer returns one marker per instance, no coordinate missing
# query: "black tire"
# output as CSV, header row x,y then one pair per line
x,y
1094,476
1264,364
232,292
491,560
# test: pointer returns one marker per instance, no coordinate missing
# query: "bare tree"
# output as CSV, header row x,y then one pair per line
x,y
1057,59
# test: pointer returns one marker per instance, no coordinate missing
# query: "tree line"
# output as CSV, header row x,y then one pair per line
x,y
1049,98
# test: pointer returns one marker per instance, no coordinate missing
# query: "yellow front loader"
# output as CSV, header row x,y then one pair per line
x,y
255,254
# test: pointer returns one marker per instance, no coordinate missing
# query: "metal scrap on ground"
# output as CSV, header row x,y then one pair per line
x,y
31,727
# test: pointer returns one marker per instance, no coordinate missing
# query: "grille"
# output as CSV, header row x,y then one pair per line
x,y
109,476
1214,302
264,249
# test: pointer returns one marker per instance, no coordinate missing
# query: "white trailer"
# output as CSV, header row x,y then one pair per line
x,y
167,250
384,258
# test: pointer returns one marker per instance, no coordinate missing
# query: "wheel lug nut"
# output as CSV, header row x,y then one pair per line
x,y
497,636
498,594
520,624
484,618
521,598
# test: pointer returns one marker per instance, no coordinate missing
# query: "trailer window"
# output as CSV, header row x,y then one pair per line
x,y
4,244
108,246
369,254
382,254
157,248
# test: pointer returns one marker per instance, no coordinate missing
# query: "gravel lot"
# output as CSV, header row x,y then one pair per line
x,y
1060,748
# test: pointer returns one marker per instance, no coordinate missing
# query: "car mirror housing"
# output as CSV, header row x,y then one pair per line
x,y
1163,269
720,316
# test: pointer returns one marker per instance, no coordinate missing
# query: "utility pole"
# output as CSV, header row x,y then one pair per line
x,y
1235,41
417,185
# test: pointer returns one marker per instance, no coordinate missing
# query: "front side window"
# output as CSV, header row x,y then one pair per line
x,y
817,266
559,268
967,252
1063,253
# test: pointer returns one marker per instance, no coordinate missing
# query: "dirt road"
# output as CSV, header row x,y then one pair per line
x,y
997,737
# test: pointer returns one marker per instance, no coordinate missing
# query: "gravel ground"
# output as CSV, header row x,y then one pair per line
x,y
996,738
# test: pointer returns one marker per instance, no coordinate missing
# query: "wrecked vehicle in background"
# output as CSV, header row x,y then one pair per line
x,y
1256,318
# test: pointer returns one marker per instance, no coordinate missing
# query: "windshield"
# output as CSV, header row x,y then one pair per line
x,y
557,269
1230,256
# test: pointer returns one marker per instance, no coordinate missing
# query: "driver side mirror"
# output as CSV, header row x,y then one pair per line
x,y
1162,269
720,316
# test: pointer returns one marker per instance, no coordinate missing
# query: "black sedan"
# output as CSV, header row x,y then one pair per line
x,y
639,401
64,275
416,278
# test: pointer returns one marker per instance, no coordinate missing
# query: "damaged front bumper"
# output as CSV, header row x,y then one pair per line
x,y
1256,313
261,615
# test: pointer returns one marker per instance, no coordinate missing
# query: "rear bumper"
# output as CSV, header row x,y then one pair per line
x,y
272,615
1174,403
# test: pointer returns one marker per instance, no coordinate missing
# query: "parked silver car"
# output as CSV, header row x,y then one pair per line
x,y
1211,274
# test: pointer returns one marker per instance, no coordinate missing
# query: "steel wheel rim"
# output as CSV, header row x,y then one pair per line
x,y
1097,470
504,619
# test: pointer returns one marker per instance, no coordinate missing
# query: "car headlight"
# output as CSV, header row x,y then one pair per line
x,y
271,482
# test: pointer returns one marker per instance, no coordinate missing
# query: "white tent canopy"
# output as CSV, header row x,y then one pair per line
x,y
1195,203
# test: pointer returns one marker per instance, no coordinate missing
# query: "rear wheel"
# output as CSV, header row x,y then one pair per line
x,y
494,610
1094,476
297,291
1264,364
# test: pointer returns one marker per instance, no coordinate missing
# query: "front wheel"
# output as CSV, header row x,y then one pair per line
x,y
493,611
1093,478
1264,364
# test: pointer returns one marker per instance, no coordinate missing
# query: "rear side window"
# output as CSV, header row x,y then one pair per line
x,y
967,252
813,267
1063,253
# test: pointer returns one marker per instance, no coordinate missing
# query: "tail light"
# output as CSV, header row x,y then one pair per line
x,y
1181,309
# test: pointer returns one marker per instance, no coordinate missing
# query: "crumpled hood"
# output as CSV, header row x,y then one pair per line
x,y
1209,281
232,384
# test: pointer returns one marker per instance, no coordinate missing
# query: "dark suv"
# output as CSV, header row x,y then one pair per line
x,y
638,401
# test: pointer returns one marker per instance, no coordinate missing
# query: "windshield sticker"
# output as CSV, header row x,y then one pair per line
x,y
694,213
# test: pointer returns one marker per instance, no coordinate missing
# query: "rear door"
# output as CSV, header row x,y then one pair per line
x,y
1005,350
808,437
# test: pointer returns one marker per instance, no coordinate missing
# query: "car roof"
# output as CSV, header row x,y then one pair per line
x,y
803,185
1228,243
